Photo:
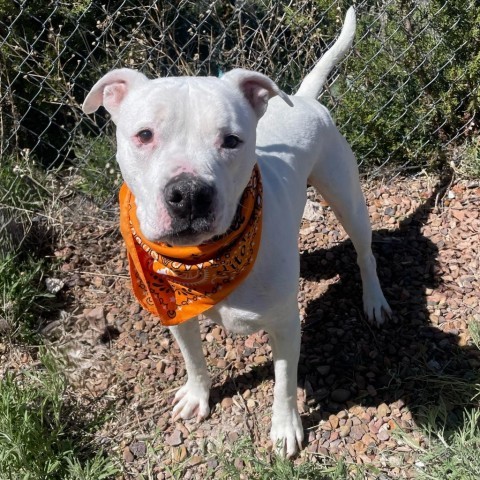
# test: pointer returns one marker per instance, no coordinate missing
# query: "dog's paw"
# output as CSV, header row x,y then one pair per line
x,y
287,433
192,401
376,308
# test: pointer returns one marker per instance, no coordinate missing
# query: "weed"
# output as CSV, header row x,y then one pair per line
x,y
243,460
36,438
99,175
454,455
22,297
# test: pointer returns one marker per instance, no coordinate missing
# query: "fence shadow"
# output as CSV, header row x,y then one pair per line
x,y
408,358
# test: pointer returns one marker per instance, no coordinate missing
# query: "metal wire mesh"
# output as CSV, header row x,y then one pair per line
x,y
406,95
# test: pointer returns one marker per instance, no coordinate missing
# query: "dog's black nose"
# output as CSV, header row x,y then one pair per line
x,y
188,197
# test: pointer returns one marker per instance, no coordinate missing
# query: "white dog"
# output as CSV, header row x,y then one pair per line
x,y
187,146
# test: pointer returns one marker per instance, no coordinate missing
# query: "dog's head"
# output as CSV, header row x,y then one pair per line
x,y
185,146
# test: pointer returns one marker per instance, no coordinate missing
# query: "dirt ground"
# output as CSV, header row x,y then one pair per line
x,y
361,390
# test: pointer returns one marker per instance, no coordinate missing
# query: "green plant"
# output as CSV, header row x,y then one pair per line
x,y
25,237
243,460
453,454
99,175
38,439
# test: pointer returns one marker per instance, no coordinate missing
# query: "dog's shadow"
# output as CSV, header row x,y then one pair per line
x,y
408,359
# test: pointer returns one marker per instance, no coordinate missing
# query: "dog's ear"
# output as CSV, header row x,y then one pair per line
x,y
111,90
256,87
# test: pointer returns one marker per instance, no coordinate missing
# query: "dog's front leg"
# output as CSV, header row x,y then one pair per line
x,y
192,399
287,429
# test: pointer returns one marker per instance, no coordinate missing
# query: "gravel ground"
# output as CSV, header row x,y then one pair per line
x,y
358,385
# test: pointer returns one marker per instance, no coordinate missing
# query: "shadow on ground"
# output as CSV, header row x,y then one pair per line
x,y
408,358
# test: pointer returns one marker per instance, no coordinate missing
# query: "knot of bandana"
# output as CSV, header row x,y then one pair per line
x,y
178,283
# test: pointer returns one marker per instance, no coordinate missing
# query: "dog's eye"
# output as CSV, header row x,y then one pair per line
x,y
145,135
231,141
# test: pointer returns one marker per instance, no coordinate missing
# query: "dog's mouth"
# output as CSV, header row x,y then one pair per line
x,y
188,233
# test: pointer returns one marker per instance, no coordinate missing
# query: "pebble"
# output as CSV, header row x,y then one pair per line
x,y
174,439
179,454
383,410
383,435
227,403
139,449
340,395
127,455
324,369
333,421
95,314
195,460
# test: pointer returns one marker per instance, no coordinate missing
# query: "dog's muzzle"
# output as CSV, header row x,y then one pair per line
x,y
190,201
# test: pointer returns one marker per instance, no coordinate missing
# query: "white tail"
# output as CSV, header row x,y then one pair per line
x,y
313,83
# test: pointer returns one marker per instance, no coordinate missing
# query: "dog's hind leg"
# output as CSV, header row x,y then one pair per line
x,y
335,175
192,399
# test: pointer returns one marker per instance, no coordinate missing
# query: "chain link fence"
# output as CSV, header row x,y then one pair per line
x,y
405,97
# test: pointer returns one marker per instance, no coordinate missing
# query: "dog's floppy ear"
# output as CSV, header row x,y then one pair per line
x,y
111,90
256,87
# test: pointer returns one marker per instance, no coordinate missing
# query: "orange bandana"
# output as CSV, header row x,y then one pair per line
x,y
178,283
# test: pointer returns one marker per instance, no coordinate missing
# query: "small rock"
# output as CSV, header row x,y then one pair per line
x,y
127,455
371,390
140,325
175,439
383,410
344,430
313,211
333,421
195,460
227,403
179,454
389,211
260,359
323,369
162,423
139,449
357,432
359,447
383,435
340,395
367,439
221,363
342,414
54,285
95,314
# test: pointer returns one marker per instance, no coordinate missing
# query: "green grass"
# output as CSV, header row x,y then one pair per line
x,y
100,175
22,296
245,460
37,437
44,434
453,451
468,164
453,454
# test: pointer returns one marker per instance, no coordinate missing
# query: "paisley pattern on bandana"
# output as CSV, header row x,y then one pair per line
x,y
179,283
